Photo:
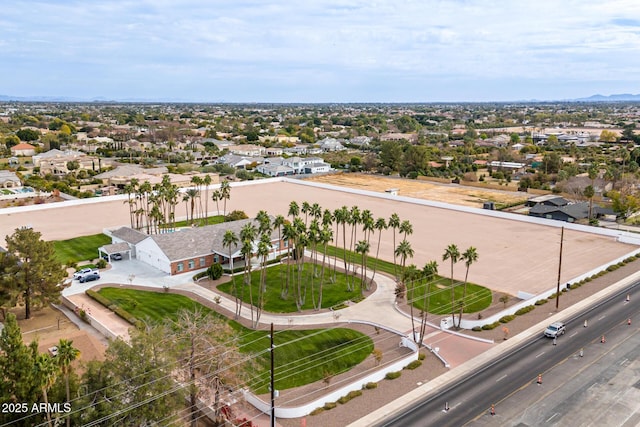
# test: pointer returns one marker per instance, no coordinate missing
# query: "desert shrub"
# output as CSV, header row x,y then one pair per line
x,y
490,326
354,393
541,301
422,356
370,385
101,263
613,267
508,318
393,375
317,411
330,405
413,365
476,328
344,399
524,310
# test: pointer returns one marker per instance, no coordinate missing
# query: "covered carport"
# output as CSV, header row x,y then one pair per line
x,y
114,248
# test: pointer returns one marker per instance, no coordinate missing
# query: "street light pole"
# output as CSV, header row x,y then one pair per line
x,y
273,388
559,269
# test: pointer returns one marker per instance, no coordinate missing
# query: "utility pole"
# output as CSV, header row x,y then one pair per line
x,y
273,388
559,269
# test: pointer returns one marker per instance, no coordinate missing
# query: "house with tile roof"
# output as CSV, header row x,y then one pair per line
x,y
191,249
23,149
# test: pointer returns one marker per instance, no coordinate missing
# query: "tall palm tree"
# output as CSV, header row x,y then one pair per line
x,y
379,225
294,210
230,240
216,197
469,256
340,215
207,182
247,237
306,208
406,228
263,253
225,193
197,181
46,372
354,221
404,251
67,353
362,247
326,235
394,224
429,270
191,195
452,253
288,234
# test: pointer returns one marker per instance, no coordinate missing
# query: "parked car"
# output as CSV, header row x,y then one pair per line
x,y
89,277
78,274
555,329
116,257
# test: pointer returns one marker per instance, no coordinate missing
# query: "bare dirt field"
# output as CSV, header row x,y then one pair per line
x,y
448,193
49,325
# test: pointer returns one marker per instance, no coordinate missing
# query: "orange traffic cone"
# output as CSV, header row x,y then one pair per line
x,y
602,340
539,379
493,410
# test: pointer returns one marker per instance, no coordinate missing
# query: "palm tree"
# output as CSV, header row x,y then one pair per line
x,y
207,182
429,270
294,210
406,228
340,215
67,353
469,256
379,225
225,193
394,224
262,253
216,197
453,254
230,240
404,251
247,236
46,372
354,220
362,247
326,235
191,194
197,181
288,234
306,208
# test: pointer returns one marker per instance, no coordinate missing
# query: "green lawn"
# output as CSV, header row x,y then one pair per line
x,y
301,357
439,296
333,293
216,219
353,257
78,249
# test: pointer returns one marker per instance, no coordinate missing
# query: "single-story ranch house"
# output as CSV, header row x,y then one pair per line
x,y
189,249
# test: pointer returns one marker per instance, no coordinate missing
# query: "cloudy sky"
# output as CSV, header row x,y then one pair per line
x,y
319,50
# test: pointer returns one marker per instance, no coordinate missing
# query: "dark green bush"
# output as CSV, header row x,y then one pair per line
x,y
330,405
524,310
316,411
541,301
413,365
99,298
506,319
393,375
214,272
371,385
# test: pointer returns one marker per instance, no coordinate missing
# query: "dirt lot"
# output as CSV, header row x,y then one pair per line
x,y
49,325
448,193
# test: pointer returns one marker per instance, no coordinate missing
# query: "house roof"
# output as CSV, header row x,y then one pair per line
x,y
129,235
200,241
23,146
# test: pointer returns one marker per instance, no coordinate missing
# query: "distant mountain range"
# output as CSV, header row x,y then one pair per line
x,y
622,97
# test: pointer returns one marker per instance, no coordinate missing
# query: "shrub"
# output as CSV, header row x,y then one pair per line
x,y
422,356
613,267
393,375
476,328
101,263
413,365
541,301
524,310
371,385
490,326
317,411
200,275
330,405
99,298
354,393
506,319
214,272
344,399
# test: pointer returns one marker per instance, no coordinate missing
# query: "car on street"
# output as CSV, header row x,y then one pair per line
x,y
78,274
89,277
554,330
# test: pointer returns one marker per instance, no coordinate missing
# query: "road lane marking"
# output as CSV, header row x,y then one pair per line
x,y
540,354
551,417
502,377
625,360
573,334
602,317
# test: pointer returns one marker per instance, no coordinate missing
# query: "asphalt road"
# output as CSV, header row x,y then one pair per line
x,y
510,383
